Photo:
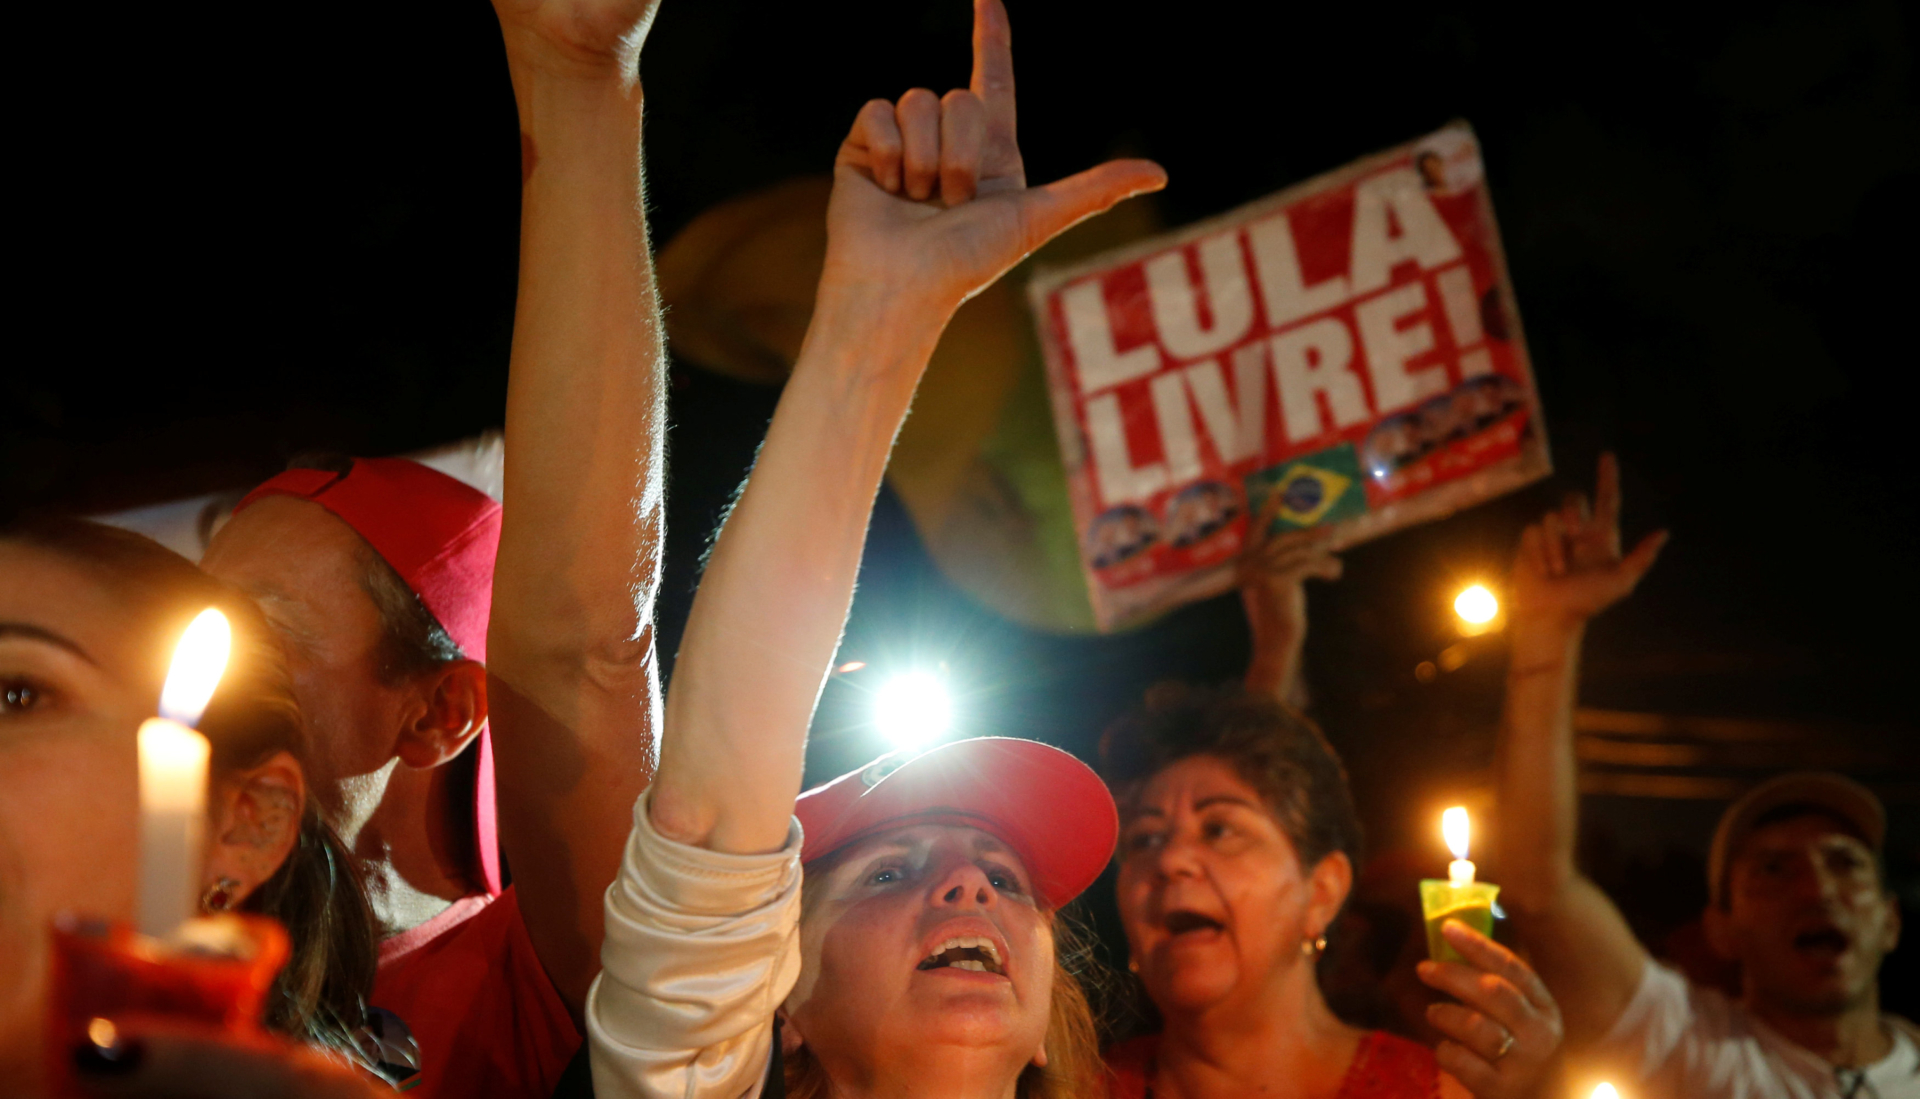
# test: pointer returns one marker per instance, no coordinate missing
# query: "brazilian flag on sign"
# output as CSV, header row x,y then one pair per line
x,y
1316,488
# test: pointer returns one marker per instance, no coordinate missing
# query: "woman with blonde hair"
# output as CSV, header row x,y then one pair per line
x,y
922,954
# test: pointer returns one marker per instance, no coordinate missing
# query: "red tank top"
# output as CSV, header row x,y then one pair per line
x,y
1384,1067
468,984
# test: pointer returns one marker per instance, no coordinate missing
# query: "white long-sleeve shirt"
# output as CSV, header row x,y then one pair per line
x,y
701,948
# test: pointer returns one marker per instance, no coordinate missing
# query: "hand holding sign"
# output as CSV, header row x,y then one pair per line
x,y
930,198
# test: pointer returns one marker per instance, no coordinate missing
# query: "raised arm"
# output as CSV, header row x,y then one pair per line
x,y
1273,574
1569,568
574,687
930,204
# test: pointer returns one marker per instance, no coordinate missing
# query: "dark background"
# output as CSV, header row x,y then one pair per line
x,y
248,240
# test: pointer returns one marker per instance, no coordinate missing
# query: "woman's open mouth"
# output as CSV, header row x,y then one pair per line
x,y
1184,921
973,953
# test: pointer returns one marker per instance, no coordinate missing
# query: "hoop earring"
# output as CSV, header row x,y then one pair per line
x,y
1314,947
220,896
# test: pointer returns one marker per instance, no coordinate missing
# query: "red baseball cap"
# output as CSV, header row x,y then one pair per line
x,y
1047,806
441,536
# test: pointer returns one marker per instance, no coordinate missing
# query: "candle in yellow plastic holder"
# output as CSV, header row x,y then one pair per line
x,y
1460,897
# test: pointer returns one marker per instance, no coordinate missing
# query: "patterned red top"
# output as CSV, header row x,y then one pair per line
x,y
1384,1067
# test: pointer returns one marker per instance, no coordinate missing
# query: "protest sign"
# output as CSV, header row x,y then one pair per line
x,y
1351,344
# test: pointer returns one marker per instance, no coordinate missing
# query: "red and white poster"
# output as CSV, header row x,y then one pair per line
x,y
1351,344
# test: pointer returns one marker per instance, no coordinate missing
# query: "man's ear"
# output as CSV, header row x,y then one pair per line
x,y
1892,900
255,820
1328,886
448,712
1719,930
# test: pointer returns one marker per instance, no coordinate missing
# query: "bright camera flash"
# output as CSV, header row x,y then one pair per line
x,y
913,709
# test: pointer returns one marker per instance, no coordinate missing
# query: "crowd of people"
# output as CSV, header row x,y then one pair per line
x,y
433,692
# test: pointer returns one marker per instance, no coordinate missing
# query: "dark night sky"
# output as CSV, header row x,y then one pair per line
x,y
306,238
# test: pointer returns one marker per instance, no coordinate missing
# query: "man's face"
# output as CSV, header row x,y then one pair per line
x,y
1807,917
302,564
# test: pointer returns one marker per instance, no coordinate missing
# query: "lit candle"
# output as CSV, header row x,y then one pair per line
x,y
1605,1091
1455,827
173,778
1460,897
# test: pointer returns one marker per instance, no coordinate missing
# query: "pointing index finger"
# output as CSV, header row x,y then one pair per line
x,y
993,66
1607,492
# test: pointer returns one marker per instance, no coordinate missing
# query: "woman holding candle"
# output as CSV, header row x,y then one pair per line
x,y
1236,854
89,618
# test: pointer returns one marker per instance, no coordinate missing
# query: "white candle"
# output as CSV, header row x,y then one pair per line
x,y
1456,828
173,812
173,779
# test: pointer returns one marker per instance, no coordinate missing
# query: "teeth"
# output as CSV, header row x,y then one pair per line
x,y
985,955
970,942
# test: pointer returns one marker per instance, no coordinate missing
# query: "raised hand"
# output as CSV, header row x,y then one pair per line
x,y
1503,1033
1569,566
930,199
1272,573
1282,561
577,37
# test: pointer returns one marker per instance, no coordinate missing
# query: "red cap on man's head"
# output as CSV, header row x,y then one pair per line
x,y
441,536
1047,806
438,533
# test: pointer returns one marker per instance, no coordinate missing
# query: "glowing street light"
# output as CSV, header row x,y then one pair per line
x,y
913,709
1476,607
1605,1091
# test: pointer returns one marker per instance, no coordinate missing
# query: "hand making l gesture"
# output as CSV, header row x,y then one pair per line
x,y
1569,566
930,198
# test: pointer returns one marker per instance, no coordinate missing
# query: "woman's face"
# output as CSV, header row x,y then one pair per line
x,y
76,680
924,936
1212,893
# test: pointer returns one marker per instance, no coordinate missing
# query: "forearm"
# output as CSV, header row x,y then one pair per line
x,y
1579,942
579,548
570,645
770,609
1538,773
1278,638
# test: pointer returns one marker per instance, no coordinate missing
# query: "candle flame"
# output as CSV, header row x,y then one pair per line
x,y
1605,1091
1454,826
197,663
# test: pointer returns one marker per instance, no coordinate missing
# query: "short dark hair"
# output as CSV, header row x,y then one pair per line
x,y
412,641
1273,748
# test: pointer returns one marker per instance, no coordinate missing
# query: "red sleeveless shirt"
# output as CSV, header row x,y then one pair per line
x,y
1384,1067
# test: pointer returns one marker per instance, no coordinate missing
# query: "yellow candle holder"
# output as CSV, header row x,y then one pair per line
x,y
1471,904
